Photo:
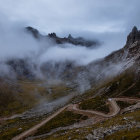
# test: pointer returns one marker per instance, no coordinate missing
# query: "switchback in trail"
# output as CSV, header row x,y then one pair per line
x,y
74,107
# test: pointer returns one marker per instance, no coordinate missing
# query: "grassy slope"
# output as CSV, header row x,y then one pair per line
x,y
16,98
58,91
125,84
65,118
98,103
11,128
81,133
119,86
20,96
11,103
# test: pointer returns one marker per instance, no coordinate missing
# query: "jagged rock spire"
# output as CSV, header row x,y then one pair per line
x,y
133,36
70,37
52,35
34,31
134,30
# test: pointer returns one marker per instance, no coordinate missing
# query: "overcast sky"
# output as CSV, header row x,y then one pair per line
x,y
100,18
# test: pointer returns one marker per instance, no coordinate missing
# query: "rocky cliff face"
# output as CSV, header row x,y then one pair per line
x,y
113,64
34,32
133,36
75,41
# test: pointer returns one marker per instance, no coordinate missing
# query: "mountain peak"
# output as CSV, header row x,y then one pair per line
x,y
134,30
52,35
133,36
70,36
34,31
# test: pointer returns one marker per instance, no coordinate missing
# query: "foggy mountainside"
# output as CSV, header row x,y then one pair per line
x,y
69,71
75,41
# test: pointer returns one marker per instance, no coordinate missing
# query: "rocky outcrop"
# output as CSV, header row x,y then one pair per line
x,y
22,68
58,40
117,62
101,132
75,41
129,51
34,32
133,36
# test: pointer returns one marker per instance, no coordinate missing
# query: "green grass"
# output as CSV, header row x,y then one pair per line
x,y
119,84
124,84
118,120
10,128
98,103
58,91
22,95
16,98
134,91
65,118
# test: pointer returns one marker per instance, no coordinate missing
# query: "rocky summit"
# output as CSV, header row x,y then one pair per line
x,y
133,36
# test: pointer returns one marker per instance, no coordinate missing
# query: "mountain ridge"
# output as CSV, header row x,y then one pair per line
x,y
59,40
129,54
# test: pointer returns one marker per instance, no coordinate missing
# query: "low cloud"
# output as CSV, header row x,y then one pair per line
x,y
16,43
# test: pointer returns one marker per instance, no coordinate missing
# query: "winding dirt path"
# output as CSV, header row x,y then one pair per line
x,y
34,128
115,109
